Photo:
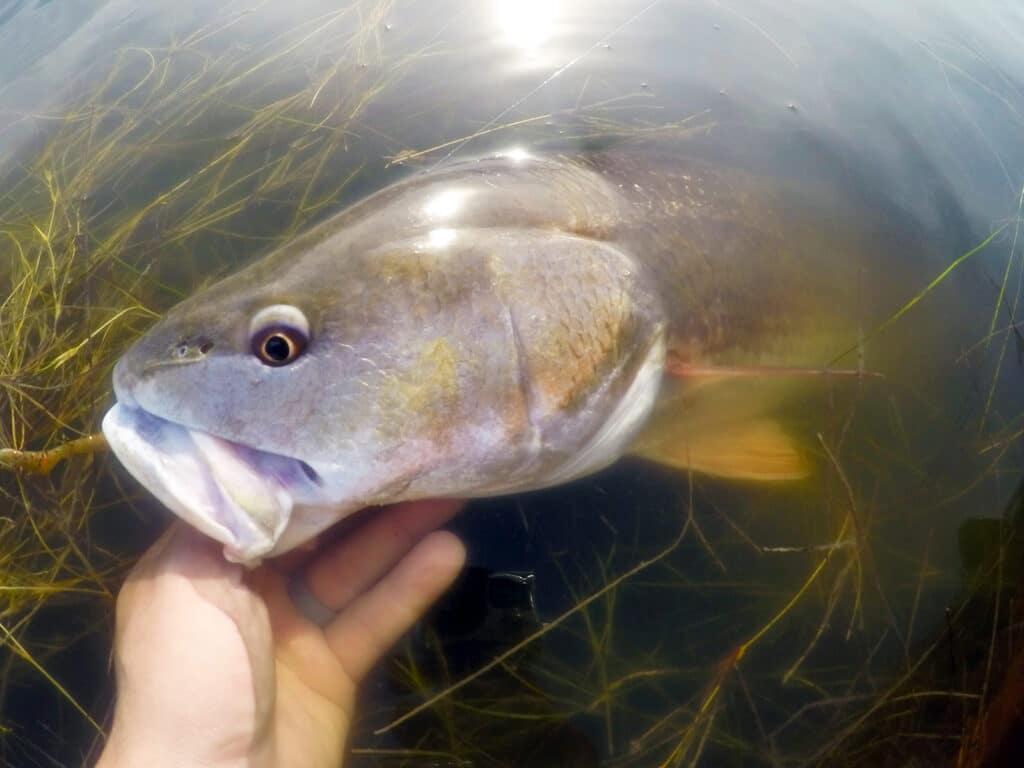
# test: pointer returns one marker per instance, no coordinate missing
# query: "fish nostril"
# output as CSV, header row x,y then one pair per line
x,y
189,349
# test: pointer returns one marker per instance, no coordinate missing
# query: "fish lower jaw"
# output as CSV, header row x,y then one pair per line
x,y
218,487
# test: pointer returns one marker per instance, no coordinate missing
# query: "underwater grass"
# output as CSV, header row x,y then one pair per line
x,y
165,160
101,227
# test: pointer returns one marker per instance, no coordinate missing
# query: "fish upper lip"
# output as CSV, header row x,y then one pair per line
x,y
134,405
124,380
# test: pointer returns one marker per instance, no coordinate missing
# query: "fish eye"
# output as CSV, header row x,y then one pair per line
x,y
279,345
279,334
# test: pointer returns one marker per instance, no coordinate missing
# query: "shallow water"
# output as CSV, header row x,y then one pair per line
x,y
193,138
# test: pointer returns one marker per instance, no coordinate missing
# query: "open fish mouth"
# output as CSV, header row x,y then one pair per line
x,y
238,495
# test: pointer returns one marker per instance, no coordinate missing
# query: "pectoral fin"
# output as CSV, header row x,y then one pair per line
x,y
758,450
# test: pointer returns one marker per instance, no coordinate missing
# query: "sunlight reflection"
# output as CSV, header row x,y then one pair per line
x,y
439,238
526,23
446,204
516,154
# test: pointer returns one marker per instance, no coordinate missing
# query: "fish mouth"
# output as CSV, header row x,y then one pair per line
x,y
238,495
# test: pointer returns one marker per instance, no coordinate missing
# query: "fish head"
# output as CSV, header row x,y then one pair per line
x,y
334,375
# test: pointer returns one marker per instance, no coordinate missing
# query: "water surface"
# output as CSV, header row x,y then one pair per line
x,y
186,139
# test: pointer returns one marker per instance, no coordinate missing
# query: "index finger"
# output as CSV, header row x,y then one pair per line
x,y
362,556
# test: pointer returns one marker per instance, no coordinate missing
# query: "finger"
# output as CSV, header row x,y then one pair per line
x,y
364,555
374,621
297,558
188,632
180,546
157,550
188,568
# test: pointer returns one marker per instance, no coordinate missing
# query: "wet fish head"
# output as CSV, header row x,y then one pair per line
x,y
330,376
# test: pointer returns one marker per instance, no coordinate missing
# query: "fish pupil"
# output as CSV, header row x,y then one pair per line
x,y
277,348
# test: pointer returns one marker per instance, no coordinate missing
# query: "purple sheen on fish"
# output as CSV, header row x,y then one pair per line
x,y
233,494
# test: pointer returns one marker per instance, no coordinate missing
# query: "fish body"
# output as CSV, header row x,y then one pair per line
x,y
492,326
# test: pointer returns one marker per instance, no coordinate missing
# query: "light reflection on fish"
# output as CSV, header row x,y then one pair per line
x,y
493,326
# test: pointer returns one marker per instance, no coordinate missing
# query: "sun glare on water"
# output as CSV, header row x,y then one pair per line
x,y
526,24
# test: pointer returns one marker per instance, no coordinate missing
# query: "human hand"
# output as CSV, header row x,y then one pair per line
x,y
217,667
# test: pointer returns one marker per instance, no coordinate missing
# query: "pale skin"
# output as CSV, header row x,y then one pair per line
x,y
216,668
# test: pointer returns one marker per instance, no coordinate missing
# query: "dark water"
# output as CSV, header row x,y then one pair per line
x,y
900,121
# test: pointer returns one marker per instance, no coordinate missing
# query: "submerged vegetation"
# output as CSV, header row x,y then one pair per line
x,y
104,223
791,626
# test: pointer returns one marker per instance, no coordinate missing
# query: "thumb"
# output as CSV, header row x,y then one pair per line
x,y
193,649
183,573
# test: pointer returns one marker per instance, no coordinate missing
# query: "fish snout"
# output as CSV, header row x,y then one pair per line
x,y
161,348
125,381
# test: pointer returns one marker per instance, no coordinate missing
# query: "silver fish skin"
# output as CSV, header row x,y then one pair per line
x,y
492,326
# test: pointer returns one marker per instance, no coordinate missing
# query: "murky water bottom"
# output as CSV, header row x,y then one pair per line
x,y
671,620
